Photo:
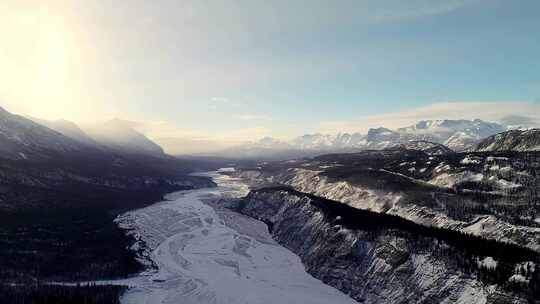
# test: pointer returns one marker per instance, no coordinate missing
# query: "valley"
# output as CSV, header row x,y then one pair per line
x,y
110,218
202,252
269,152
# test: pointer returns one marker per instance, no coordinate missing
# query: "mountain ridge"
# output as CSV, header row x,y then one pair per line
x,y
116,135
119,135
513,140
454,135
23,138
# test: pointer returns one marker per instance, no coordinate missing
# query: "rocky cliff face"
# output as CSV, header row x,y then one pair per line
x,y
489,194
371,257
424,202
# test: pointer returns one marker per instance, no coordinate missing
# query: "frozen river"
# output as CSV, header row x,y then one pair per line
x,y
210,255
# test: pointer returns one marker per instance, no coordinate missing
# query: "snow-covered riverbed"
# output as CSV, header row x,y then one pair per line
x,y
212,255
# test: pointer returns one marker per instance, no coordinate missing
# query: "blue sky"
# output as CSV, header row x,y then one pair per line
x,y
281,68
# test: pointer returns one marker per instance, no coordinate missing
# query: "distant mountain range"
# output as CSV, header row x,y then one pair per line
x,y
22,137
41,158
454,135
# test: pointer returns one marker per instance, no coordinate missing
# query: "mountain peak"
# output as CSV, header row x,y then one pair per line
x,y
120,135
70,129
434,136
21,137
3,111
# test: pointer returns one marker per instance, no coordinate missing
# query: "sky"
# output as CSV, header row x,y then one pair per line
x,y
243,69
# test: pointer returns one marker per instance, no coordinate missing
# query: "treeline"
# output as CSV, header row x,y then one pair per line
x,y
465,250
68,233
64,245
359,219
55,294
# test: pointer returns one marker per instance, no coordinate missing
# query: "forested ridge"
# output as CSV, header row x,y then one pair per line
x,y
57,294
465,250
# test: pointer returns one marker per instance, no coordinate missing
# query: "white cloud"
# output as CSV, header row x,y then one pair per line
x,y
489,111
259,117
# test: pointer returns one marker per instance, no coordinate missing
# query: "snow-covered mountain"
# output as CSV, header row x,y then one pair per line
x,y
514,140
119,135
320,141
22,138
271,143
442,130
380,138
69,129
455,135
428,147
265,148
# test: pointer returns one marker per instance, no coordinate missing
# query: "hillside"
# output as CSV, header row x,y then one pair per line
x,y
514,140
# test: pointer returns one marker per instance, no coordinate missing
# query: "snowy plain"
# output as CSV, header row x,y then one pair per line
x,y
207,255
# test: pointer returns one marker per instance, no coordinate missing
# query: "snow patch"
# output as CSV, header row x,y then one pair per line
x,y
518,278
469,160
488,262
226,170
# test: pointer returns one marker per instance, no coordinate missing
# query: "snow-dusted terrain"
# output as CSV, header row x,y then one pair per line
x,y
213,255
309,177
514,140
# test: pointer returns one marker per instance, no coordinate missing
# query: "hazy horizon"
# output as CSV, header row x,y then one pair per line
x,y
214,74
175,143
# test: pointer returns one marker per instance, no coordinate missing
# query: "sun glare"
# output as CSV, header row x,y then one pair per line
x,y
40,62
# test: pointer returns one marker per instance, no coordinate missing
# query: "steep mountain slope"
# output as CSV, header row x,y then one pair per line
x,y
514,140
456,134
69,129
38,163
121,136
378,258
22,138
491,195
328,142
59,197
428,147
380,138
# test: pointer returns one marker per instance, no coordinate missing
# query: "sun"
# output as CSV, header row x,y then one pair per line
x,y
40,62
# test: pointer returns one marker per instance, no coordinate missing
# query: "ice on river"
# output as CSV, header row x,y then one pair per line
x,y
213,255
